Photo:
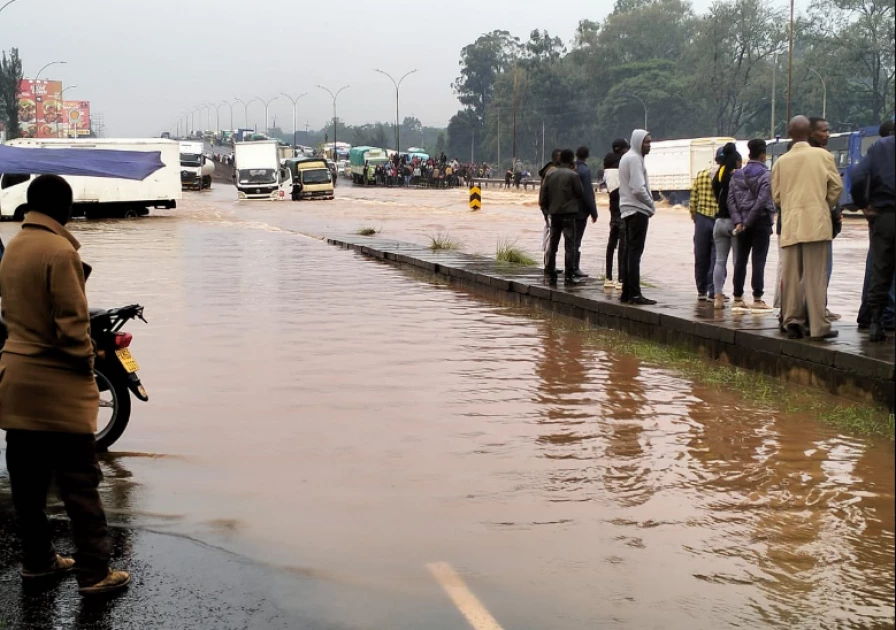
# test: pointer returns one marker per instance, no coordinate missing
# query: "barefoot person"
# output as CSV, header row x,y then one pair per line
x,y
48,395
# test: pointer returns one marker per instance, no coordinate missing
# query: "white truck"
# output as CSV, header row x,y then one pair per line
x,y
195,167
672,165
258,173
101,196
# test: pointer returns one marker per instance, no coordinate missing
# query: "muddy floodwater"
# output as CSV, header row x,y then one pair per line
x,y
340,418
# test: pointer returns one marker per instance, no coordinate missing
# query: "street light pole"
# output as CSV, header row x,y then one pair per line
x,y
52,63
295,105
334,96
397,85
774,94
824,94
245,109
266,104
643,104
61,103
790,67
231,114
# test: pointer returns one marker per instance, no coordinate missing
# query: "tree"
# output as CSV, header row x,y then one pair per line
x,y
731,50
10,88
480,64
858,36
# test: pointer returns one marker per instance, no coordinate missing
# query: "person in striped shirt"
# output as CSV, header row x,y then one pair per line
x,y
703,213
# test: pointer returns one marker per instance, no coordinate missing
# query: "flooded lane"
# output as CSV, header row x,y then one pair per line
x,y
354,422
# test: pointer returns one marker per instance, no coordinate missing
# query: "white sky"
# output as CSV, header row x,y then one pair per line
x,y
144,63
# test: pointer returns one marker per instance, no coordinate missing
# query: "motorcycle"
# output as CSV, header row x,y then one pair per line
x,y
115,370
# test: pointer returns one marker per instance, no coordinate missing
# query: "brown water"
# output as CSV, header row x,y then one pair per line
x,y
338,416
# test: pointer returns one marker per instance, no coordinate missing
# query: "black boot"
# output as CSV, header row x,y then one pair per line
x,y
876,330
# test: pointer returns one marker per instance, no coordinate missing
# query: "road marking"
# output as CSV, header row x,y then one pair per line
x,y
467,603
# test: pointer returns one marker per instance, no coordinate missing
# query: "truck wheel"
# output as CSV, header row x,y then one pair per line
x,y
19,214
131,213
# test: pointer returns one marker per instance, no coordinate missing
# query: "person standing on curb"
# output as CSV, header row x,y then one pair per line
x,y
587,206
723,232
561,196
819,137
616,238
805,185
752,210
546,170
48,394
703,213
874,190
636,207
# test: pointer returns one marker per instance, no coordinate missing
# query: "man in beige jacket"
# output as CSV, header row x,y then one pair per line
x,y
805,185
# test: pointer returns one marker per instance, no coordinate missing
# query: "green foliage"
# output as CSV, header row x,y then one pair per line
x,y
443,242
698,75
10,82
368,231
508,252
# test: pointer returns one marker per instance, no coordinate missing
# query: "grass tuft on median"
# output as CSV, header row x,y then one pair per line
x,y
508,252
443,242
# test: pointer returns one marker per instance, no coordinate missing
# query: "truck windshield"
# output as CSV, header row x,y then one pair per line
x,y
190,159
316,176
258,176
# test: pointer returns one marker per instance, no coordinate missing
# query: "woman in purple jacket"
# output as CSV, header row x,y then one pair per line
x,y
752,212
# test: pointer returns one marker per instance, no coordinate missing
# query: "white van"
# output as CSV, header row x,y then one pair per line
x,y
101,196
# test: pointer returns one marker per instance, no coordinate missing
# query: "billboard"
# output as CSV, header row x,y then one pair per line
x,y
77,119
40,109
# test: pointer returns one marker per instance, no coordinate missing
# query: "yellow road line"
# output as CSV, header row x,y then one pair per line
x,y
467,603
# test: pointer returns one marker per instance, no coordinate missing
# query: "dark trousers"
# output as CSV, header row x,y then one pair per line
x,y
704,253
32,458
616,241
562,225
581,224
635,238
755,240
883,260
864,317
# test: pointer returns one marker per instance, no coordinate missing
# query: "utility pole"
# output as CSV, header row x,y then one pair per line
x,y
790,67
266,105
334,97
774,96
513,126
824,93
499,137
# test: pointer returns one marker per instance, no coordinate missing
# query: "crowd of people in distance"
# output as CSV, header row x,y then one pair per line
x,y
407,170
736,205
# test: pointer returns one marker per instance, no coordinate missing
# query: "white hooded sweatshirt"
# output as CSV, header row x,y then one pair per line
x,y
634,187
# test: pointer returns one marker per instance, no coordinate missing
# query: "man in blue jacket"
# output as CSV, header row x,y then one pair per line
x,y
874,190
587,205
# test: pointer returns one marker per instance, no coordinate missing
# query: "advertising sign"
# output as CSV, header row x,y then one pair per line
x,y
40,109
77,119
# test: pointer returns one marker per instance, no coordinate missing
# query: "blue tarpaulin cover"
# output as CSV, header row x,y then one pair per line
x,y
83,162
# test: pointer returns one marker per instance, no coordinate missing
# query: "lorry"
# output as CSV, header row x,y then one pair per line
x,y
361,159
311,178
672,165
195,168
101,196
258,173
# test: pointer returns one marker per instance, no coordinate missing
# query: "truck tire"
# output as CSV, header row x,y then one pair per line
x,y
130,213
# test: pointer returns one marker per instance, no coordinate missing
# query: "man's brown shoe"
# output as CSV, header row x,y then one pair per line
x,y
60,566
115,581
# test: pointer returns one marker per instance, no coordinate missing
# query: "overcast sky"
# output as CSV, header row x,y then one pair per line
x,y
144,65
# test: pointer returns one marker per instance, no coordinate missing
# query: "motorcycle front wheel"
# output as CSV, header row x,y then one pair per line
x,y
115,405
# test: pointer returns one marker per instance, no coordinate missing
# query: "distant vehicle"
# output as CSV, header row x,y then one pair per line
x,y
344,168
195,167
166,135
258,172
361,159
311,178
102,196
672,165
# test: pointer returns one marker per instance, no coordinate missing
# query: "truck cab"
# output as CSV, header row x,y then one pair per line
x,y
311,179
258,173
195,168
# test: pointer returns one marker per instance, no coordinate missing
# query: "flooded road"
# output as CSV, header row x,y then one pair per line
x,y
354,423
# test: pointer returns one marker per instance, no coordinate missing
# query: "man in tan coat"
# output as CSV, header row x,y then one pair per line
x,y
805,185
48,395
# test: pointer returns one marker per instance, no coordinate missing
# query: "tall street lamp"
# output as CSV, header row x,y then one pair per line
x,y
397,85
231,112
334,97
245,109
52,63
790,66
266,105
6,5
61,102
824,94
295,105
643,104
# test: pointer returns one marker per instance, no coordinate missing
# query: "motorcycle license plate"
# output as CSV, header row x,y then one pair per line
x,y
128,362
